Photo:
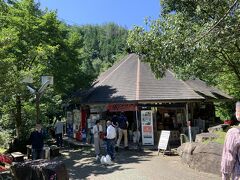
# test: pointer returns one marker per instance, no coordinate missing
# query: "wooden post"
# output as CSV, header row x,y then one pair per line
x,y
188,124
37,108
18,116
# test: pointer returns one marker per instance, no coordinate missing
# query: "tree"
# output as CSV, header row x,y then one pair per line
x,y
195,39
103,44
34,43
30,40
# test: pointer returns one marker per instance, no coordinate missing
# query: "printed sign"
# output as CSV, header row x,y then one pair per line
x,y
163,140
69,117
121,107
147,127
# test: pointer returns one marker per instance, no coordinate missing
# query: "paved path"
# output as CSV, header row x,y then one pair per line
x,y
130,165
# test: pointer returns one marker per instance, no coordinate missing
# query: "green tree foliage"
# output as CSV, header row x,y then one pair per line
x,y
34,43
194,39
103,44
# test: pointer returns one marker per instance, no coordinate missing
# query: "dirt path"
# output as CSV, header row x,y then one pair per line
x,y
146,165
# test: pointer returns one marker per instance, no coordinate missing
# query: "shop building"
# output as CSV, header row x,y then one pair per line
x,y
150,104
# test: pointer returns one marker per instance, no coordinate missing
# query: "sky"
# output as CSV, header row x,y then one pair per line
x,y
126,13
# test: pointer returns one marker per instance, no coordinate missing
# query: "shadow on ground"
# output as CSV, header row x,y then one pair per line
x,y
81,163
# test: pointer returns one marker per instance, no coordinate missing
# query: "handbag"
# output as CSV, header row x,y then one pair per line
x,y
101,135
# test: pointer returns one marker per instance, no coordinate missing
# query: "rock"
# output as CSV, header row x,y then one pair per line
x,y
207,157
209,163
186,158
40,169
203,157
220,127
209,148
180,149
186,151
204,137
187,148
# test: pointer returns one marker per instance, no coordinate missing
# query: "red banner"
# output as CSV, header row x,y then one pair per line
x,y
121,107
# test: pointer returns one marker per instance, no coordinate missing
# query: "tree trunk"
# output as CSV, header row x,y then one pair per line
x,y
37,108
18,116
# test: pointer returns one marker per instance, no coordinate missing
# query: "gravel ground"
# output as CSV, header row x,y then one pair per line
x,y
147,165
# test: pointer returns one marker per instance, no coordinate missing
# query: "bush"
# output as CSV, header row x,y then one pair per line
x,y
220,137
5,137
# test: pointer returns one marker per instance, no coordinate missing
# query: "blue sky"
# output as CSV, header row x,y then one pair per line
x,y
123,12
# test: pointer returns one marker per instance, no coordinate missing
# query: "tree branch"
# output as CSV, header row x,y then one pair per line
x,y
218,22
231,64
236,44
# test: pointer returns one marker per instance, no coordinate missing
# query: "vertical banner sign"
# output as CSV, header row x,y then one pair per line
x,y
76,119
69,127
147,127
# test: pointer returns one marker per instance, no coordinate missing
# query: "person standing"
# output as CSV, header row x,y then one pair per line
x,y
122,130
97,129
230,165
59,132
115,120
110,138
36,139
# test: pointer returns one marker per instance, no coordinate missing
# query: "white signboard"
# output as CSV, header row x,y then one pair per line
x,y
69,117
76,120
163,140
147,127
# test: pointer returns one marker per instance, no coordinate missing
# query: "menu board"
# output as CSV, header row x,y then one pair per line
x,y
147,127
163,140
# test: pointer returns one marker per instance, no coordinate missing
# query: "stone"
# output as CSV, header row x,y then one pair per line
x,y
39,169
220,127
187,148
204,137
210,163
203,157
209,148
207,158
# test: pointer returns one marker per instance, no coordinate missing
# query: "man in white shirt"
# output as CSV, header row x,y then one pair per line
x,y
111,135
59,132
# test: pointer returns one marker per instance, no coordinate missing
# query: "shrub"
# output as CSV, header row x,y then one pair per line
x,y
5,137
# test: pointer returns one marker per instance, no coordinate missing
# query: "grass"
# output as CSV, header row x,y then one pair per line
x,y
220,139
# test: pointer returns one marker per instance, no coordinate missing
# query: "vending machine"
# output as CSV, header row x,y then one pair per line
x,y
147,127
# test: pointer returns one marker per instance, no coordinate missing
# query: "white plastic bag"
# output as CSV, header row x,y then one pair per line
x,y
108,159
103,160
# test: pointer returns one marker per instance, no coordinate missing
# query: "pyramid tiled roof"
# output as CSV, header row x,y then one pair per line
x,y
131,80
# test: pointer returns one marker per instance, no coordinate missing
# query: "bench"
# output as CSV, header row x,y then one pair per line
x,y
17,156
